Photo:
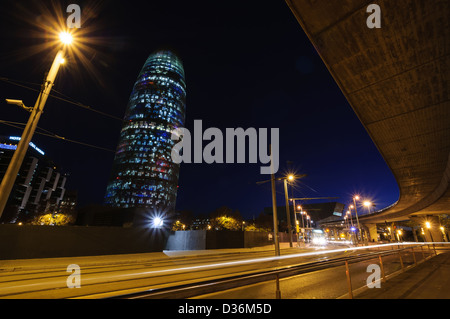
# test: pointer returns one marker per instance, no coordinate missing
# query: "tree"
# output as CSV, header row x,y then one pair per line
x,y
225,218
225,222
58,219
264,221
183,218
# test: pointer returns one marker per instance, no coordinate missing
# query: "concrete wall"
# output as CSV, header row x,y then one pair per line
x,y
256,239
27,241
207,239
187,240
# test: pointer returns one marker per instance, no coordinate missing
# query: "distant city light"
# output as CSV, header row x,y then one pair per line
x,y
17,138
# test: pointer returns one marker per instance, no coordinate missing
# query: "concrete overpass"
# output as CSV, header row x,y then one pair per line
x,y
396,80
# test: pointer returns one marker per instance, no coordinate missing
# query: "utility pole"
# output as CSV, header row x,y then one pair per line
x,y
19,154
274,207
357,220
288,215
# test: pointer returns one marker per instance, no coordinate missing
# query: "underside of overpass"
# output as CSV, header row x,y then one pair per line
x,y
396,80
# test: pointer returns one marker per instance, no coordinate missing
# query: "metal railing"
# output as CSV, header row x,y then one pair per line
x,y
209,286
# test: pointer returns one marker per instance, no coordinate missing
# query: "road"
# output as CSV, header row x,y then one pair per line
x,y
104,276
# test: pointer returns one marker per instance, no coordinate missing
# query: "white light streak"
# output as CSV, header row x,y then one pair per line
x,y
275,258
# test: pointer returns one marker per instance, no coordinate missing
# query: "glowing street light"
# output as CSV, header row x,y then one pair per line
x,y
16,161
442,228
66,37
399,234
291,178
428,226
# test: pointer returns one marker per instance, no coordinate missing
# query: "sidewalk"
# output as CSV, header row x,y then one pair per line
x,y
428,280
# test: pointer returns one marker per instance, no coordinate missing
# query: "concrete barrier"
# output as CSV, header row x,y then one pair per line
x,y
28,241
187,240
209,239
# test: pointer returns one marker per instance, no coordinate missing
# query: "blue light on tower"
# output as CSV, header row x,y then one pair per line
x,y
143,173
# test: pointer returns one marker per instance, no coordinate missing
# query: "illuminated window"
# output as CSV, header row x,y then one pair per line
x,y
142,166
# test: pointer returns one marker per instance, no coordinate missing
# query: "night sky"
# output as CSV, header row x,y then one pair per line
x,y
247,64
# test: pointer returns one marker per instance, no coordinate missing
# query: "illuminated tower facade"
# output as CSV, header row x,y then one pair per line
x,y
143,173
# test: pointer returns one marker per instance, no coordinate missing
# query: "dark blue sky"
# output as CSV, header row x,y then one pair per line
x,y
247,64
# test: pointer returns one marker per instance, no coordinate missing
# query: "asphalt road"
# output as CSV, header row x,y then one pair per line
x,y
101,277
322,284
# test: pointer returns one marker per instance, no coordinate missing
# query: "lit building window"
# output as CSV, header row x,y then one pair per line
x,y
143,174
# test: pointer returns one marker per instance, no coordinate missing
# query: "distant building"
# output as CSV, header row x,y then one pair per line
x,y
317,211
201,223
143,173
39,186
68,204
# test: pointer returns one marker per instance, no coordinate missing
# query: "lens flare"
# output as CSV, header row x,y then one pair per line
x,y
66,37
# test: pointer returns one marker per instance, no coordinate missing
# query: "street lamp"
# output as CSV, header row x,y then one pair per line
x,y
349,212
347,224
290,177
355,198
399,234
16,161
274,203
19,103
442,228
306,198
428,226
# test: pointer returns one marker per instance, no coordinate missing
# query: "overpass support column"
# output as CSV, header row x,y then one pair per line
x,y
429,227
373,234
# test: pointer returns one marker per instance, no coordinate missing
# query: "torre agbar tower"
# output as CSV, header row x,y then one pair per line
x,y
143,173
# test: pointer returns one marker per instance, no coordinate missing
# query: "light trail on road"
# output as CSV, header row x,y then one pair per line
x,y
275,258
110,279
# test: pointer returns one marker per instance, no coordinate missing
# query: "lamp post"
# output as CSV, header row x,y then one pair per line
x,y
355,198
274,204
352,233
290,177
442,228
428,225
16,161
347,223
399,234
296,223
